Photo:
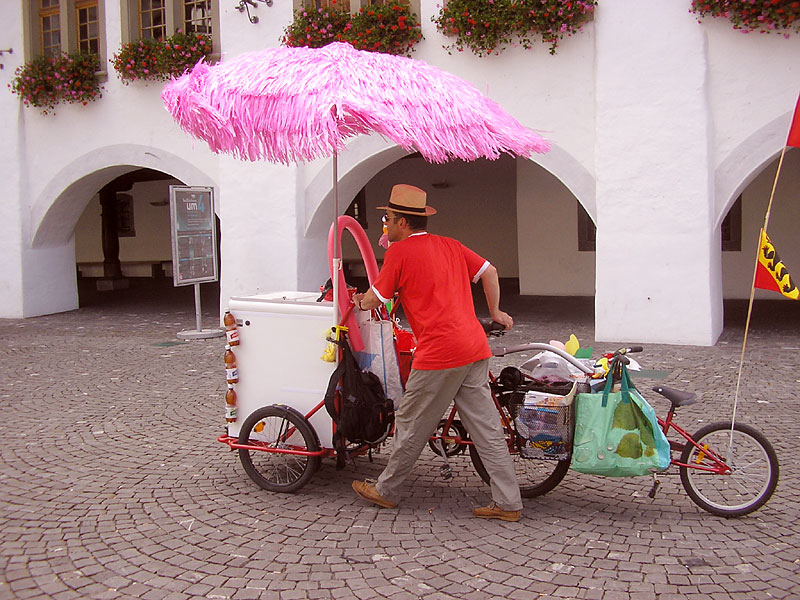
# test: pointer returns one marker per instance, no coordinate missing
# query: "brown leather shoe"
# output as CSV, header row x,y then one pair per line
x,y
495,512
368,492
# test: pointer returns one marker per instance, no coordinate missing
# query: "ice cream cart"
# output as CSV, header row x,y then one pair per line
x,y
278,421
287,105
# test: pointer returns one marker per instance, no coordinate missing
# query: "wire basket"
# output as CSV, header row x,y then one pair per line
x,y
545,425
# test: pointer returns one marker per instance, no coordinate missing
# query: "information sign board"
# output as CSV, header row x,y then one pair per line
x,y
194,239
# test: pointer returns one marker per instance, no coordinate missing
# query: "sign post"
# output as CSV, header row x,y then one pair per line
x,y
194,247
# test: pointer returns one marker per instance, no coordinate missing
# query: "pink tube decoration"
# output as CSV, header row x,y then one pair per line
x,y
367,255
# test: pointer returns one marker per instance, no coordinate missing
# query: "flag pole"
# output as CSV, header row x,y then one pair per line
x,y
792,139
753,291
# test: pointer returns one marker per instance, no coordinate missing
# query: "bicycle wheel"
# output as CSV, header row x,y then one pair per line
x,y
451,448
278,427
536,477
753,476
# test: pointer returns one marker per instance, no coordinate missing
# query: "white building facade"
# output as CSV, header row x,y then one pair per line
x,y
660,126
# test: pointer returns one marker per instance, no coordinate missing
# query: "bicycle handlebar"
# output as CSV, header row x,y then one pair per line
x,y
629,350
496,329
620,354
492,328
538,346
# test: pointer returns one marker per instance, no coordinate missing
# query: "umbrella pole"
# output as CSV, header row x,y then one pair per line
x,y
337,260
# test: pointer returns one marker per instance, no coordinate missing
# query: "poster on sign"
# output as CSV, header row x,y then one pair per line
x,y
194,240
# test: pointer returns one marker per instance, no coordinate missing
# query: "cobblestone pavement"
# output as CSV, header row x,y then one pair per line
x,y
112,484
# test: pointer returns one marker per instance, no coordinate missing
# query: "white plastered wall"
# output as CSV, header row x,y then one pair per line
x,y
670,118
656,256
12,156
56,164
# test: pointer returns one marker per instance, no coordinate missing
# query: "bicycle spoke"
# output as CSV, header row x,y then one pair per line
x,y
284,472
753,470
740,485
278,429
280,468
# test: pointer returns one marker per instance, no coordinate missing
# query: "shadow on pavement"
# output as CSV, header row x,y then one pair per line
x,y
160,294
150,294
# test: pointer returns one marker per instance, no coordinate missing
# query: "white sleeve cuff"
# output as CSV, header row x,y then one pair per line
x,y
377,293
480,272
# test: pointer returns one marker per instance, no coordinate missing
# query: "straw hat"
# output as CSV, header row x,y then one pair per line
x,y
409,200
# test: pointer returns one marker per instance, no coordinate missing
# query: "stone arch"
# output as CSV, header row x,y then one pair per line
x,y
58,207
745,162
367,155
573,174
49,282
548,188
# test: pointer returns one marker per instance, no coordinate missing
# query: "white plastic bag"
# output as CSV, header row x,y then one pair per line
x,y
379,355
550,363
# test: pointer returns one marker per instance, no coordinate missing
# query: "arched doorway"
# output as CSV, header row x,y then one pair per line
x,y
514,212
503,209
51,275
123,247
739,231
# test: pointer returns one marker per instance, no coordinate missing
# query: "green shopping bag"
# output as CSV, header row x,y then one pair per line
x,y
617,433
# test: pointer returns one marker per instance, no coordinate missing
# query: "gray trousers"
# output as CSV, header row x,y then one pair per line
x,y
427,396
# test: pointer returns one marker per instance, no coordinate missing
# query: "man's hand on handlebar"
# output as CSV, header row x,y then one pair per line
x,y
492,327
503,318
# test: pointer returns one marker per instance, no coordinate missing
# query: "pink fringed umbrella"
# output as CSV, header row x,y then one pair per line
x,y
297,104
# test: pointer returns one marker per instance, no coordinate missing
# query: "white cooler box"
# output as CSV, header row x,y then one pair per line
x,y
282,337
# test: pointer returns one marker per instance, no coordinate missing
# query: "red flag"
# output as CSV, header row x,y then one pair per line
x,y
771,273
794,130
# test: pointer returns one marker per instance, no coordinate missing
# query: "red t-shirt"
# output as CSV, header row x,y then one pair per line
x,y
432,276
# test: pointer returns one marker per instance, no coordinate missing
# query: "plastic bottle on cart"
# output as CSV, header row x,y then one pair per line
x,y
230,404
231,332
231,370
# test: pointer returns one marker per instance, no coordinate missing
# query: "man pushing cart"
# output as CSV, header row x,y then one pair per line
x,y
431,275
